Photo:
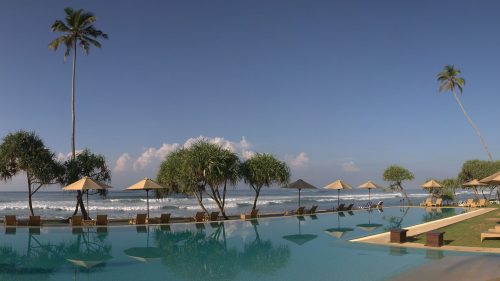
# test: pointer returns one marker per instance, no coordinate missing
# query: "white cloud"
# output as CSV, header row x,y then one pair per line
x,y
299,161
122,163
350,166
154,154
61,157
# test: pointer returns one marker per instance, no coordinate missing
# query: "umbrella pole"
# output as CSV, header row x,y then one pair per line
x,y
338,199
147,200
369,197
299,197
88,209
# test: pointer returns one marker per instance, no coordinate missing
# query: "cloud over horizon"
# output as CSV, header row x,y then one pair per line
x,y
350,167
299,161
153,155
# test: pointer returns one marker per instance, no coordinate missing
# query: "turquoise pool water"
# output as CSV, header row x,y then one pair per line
x,y
293,248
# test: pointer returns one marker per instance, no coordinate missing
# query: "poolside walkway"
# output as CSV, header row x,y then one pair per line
x,y
384,238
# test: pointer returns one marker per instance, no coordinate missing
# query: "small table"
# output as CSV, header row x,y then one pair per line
x,y
398,235
434,239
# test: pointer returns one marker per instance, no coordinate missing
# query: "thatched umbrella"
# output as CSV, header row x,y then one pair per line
x,y
338,185
300,184
370,185
85,184
431,184
147,185
492,180
474,184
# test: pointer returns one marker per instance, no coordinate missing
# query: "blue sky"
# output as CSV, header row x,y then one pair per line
x,y
339,89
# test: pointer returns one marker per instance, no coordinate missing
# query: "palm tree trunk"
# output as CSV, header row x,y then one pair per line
x,y
257,191
472,124
30,204
73,149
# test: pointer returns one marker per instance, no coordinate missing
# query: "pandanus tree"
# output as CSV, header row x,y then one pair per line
x,y
24,152
261,170
395,175
77,29
450,80
86,164
203,169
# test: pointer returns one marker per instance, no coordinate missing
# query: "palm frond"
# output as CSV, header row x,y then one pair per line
x,y
91,41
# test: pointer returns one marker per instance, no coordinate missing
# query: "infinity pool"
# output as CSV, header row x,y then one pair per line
x,y
292,248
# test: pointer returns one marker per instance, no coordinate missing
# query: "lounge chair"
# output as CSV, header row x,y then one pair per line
x,y
485,235
299,211
10,220
76,220
214,216
349,207
312,210
379,205
469,202
199,216
427,202
340,207
34,221
481,203
253,215
165,218
439,203
101,220
139,219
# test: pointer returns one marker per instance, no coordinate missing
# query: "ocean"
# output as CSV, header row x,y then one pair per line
x,y
125,204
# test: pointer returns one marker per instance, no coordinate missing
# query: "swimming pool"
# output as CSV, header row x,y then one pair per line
x,y
292,248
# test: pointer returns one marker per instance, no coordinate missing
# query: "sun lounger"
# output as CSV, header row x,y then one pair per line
x,y
469,202
299,211
165,218
312,210
101,220
427,202
340,207
76,220
485,235
349,207
10,220
481,203
199,216
439,203
214,216
34,221
139,219
253,215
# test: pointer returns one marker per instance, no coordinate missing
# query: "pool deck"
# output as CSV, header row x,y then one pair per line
x,y
384,238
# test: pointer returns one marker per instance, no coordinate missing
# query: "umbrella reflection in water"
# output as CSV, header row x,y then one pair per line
x,y
300,239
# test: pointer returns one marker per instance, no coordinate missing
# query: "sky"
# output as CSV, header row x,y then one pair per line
x,y
337,89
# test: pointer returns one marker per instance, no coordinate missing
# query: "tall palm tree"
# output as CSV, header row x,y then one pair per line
x,y
77,28
449,80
